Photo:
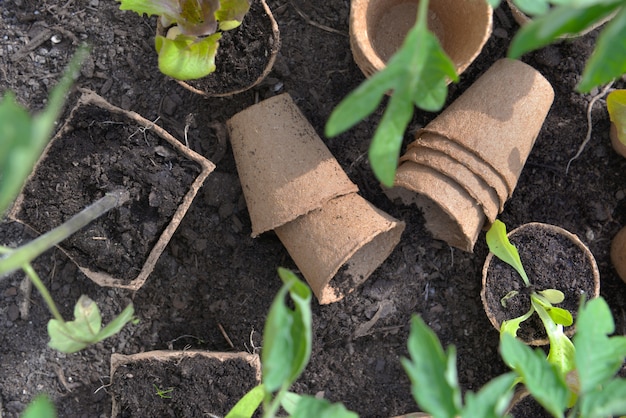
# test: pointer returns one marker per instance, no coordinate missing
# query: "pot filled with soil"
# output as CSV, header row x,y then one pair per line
x,y
378,29
98,149
245,55
553,258
181,383
294,186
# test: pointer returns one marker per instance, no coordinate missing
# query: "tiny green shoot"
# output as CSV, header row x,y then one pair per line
x,y
163,393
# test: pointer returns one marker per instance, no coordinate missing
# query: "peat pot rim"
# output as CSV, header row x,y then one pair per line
x,y
556,230
367,27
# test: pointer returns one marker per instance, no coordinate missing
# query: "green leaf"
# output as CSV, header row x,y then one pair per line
x,y
616,105
23,139
541,379
187,57
434,387
416,74
553,295
231,13
598,357
561,20
40,407
533,7
562,352
605,402
72,336
289,402
500,246
608,60
287,337
246,406
492,400
511,326
311,407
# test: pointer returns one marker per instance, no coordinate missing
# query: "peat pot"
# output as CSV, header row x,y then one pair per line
x,y
245,55
618,253
181,383
378,29
553,258
294,186
98,149
464,165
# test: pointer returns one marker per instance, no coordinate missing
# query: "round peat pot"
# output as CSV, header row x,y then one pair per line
x,y
378,28
553,258
245,55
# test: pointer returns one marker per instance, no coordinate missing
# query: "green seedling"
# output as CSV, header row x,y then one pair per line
x,y
616,105
22,140
555,18
417,73
287,341
163,393
591,390
553,318
188,50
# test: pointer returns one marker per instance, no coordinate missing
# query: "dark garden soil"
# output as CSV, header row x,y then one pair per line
x,y
551,261
213,285
100,152
213,384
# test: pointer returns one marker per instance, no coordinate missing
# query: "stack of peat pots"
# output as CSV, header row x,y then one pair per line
x,y
464,165
295,187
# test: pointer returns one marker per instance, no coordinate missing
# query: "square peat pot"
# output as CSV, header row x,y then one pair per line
x,y
101,148
181,383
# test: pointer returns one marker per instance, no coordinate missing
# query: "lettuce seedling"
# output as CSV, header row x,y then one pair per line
x,y
194,29
287,342
616,105
553,318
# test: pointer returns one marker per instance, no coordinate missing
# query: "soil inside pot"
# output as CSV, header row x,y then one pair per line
x,y
242,56
551,261
104,152
200,387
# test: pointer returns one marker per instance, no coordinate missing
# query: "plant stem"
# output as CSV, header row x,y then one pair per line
x,y
28,252
34,277
422,14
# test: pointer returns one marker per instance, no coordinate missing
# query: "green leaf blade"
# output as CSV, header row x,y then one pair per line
x,y
311,407
608,60
246,406
287,334
541,379
186,57
502,248
435,391
598,357
492,400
